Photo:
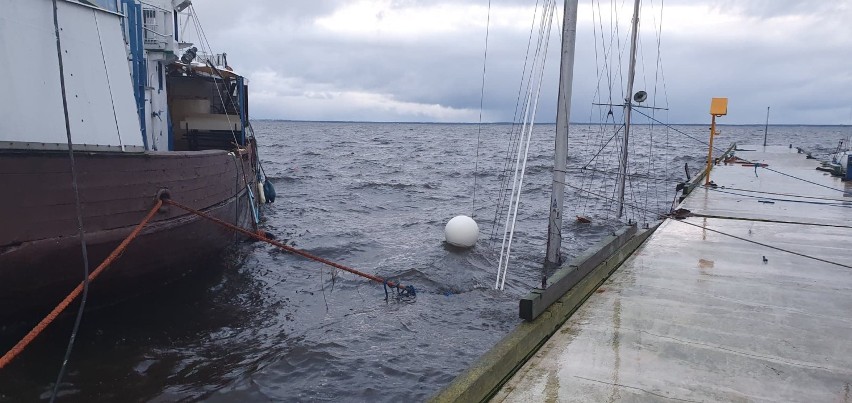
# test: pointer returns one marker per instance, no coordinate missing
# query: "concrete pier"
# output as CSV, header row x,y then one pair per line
x,y
750,299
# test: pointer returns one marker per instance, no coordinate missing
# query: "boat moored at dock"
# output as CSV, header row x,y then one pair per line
x,y
147,116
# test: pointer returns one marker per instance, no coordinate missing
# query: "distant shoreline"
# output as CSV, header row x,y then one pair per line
x,y
540,123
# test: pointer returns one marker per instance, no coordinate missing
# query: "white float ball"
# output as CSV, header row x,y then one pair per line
x,y
461,231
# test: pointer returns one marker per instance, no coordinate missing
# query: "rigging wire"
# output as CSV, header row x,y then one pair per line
x,y
601,70
206,48
781,194
606,50
594,157
679,131
634,175
617,52
504,182
704,227
526,129
77,207
638,188
481,100
520,110
603,119
803,180
614,50
650,163
520,162
837,203
658,31
202,36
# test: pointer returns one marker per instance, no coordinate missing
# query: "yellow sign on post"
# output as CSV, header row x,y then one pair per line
x,y
718,107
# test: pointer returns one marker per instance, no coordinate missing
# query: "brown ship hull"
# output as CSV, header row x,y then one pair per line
x,y
40,253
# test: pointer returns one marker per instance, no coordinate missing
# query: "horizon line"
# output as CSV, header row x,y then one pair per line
x,y
538,123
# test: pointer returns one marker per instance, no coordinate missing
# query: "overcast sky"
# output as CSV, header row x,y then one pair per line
x,y
419,60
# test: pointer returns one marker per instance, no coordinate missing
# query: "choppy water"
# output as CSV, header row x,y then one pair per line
x,y
271,326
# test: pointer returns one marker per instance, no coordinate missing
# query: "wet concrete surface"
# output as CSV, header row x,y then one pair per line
x,y
701,312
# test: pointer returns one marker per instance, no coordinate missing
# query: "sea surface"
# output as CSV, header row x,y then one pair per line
x,y
266,325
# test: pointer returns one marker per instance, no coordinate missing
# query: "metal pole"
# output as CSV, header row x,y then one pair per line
x,y
563,114
628,106
710,151
766,128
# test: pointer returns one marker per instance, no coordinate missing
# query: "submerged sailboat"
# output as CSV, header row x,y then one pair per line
x,y
148,117
622,131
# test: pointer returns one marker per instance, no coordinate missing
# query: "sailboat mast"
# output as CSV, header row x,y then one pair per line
x,y
628,108
766,128
563,115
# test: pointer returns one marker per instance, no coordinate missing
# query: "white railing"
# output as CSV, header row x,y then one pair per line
x,y
218,59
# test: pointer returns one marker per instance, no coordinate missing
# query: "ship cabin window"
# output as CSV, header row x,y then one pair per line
x,y
205,112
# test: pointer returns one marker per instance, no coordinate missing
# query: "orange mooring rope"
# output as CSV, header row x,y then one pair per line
x,y
261,237
18,348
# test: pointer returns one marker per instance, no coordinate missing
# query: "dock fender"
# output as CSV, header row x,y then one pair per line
x,y
269,190
261,196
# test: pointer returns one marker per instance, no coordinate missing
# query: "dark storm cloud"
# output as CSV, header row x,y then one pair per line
x,y
422,60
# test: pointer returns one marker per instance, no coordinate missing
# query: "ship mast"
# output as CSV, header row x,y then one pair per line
x,y
563,113
628,108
